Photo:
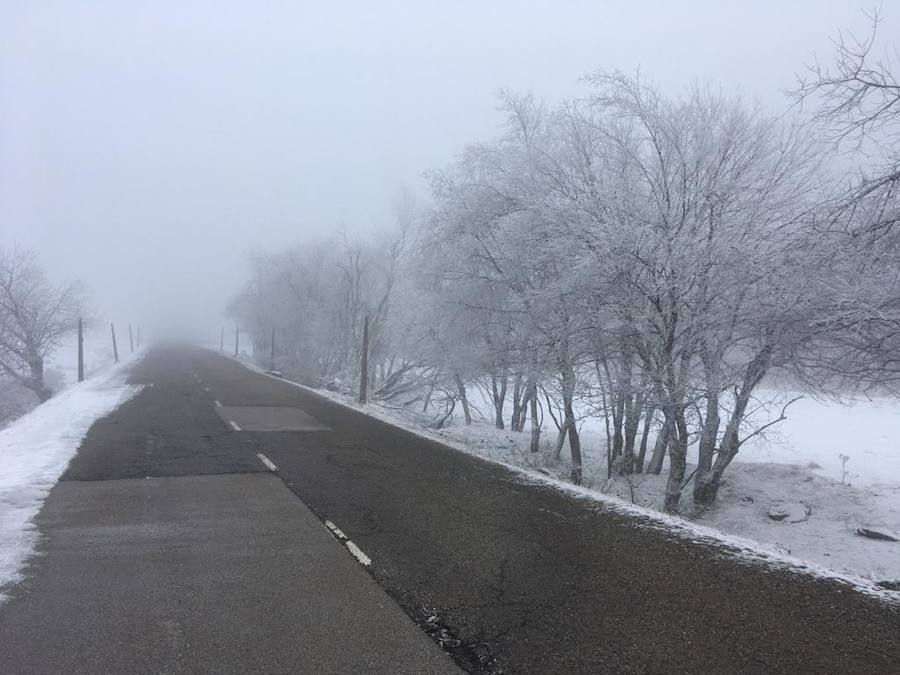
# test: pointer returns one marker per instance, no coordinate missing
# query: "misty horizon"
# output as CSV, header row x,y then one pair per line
x,y
180,138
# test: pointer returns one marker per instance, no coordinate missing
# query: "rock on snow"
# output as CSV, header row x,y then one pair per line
x,y
878,533
789,512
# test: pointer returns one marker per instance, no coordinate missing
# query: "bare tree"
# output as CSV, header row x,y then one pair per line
x,y
857,102
857,105
34,316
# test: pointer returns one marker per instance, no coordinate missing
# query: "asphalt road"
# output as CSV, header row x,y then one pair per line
x,y
506,576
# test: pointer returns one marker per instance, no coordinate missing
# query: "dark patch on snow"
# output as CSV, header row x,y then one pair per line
x,y
889,585
790,512
877,533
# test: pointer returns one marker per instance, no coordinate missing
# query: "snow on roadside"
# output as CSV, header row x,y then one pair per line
x,y
62,365
825,545
35,450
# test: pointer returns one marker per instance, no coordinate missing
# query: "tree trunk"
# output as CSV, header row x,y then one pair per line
x,y
568,387
707,445
535,422
633,406
499,395
527,393
642,452
461,388
560,439
677,460
618,415
427,401
516,420
706,490
659,449
36,382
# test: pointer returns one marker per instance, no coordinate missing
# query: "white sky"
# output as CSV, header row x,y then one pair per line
x,y
145,147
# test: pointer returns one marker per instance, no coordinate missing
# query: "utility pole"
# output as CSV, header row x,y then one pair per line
x,y
112,329
236,329
131,338
139,336
80,351
272,356
222,341
364,363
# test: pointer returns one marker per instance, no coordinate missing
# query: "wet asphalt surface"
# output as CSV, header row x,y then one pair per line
x,y
508,577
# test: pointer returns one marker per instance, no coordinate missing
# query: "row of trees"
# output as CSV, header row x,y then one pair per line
x,y
648,259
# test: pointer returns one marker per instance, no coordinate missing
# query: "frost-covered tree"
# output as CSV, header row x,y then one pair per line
x,y
34,317
856,103
652,260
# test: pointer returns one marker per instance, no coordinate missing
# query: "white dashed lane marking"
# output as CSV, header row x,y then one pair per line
x,y
268,462
357,553
234,425
335,530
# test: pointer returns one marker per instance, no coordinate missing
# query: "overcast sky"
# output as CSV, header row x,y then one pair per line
x,y
145,147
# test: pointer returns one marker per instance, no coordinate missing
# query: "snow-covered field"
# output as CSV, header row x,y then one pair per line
x,y
798,465
35,450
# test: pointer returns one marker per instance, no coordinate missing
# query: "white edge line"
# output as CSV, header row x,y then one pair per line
x,y
218,404
234,425
359,555
265,460
335,530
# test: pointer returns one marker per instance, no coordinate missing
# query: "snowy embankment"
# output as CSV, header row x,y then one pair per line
x,y
60,371
793,468
35,450
797,465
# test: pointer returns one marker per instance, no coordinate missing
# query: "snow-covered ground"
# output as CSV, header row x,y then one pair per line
x,y
817,433
61,370
798,466
62,365
35,450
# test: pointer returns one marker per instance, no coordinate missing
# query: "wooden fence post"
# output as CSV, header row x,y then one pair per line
x,y
80,351
364,364
272,355
222,341
236,329
130,338
112,329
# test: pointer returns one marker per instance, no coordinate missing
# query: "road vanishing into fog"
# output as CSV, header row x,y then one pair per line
x,y
171,546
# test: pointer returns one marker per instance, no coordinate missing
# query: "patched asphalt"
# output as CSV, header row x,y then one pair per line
x,y
506,576
224,573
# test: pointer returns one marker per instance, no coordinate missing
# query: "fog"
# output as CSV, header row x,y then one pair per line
x,y
146,148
